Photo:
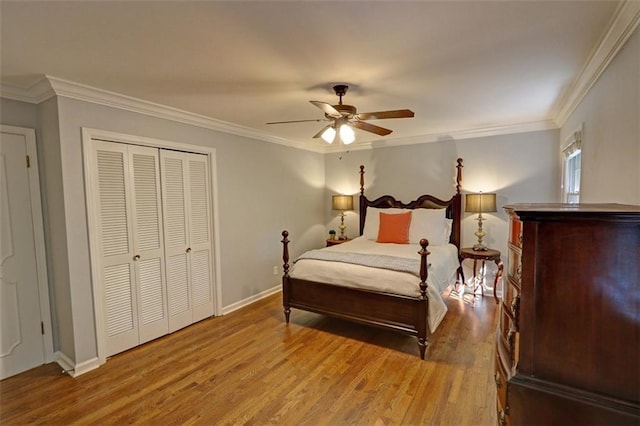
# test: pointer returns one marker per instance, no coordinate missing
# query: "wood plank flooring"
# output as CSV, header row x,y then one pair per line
x,y
249,367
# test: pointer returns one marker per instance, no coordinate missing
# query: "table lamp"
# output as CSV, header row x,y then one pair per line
x,y
480,203
342,203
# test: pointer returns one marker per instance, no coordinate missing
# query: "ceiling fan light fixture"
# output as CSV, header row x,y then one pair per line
x,y
347,134
329,135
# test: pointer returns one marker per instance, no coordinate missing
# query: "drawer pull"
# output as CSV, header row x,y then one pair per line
x,y
515,308
136,257
502,421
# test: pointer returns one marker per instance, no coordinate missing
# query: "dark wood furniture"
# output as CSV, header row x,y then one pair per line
x,y
390,311
483,255
336,242
568,340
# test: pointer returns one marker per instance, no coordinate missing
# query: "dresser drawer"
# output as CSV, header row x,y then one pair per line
x,y
511,302
515,232
510,339
515,264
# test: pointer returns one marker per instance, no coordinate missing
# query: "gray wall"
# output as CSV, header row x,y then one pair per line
x,y
610,114
519,168
263,188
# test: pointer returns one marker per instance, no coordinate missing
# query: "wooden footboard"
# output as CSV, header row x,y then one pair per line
x,y
390,311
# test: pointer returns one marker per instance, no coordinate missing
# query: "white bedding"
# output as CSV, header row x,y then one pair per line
x,y
443,264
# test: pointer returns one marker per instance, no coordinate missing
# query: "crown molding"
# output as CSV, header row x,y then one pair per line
x,y
49,86
622,26
479,132
37,92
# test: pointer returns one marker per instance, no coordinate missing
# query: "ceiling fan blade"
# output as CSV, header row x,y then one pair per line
x,y
317,120
317,135
397,113
368,127
327,109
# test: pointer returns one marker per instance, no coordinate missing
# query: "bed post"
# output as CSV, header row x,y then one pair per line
x,y
424,301
363,208
457,212
459,176
286,286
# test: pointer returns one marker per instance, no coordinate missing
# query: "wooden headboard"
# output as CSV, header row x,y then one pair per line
x,y
453,205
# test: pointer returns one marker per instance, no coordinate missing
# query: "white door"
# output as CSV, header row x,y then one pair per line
x,y
126,188
23,284
187,217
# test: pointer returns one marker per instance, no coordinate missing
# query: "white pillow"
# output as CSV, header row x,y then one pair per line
x,y
372,221
425,223
429,224
448,224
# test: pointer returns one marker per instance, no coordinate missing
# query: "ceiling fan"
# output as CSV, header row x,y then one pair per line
x,y
344,118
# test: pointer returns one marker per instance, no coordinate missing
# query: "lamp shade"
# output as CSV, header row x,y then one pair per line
x,y
480,203
329,135
342,202
346,134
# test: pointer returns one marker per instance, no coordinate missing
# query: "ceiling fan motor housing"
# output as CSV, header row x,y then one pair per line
x,y
345,110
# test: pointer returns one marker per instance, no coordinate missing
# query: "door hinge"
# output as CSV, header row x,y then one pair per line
x,y
42,328
28,162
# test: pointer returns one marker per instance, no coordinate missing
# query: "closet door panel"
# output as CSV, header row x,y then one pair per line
x,y
174,201
119,305
186,203
199,220
179,291
116,267
153,318
201,284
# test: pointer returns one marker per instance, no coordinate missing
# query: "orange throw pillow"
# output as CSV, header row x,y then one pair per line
x,y
394,228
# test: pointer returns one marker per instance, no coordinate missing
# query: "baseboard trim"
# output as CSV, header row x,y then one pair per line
x,y
252,299
71,368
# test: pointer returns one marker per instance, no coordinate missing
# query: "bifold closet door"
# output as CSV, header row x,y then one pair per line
x,y
187,218
131,249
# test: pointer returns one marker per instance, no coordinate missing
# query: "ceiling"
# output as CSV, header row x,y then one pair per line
x,y
461,66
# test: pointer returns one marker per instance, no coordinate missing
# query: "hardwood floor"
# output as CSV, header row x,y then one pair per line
x,y
249,367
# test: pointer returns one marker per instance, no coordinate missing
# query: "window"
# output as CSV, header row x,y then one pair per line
x,y
572,159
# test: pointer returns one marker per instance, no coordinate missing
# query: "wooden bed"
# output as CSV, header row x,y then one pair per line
x,y
382,309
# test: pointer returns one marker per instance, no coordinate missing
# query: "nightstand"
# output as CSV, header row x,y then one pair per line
x,y
336,242
484,255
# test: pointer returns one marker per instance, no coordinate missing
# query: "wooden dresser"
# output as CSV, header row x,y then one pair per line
x,y
568,340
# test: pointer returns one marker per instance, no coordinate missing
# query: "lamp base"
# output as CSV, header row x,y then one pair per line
x,y
480,247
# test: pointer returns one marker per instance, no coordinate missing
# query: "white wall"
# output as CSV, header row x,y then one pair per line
x,y
610,113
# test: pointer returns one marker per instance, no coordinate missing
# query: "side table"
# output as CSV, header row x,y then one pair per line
x,y
484,255
336,242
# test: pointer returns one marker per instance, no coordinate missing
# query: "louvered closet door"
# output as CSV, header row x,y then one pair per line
x,y
153,318
200,236
117,277
185,196
132,279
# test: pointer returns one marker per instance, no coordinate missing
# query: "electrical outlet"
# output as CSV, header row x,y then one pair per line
x,y
275,270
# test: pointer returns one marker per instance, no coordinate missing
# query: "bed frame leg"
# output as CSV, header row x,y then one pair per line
x,y
423,309
285,276
422,346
